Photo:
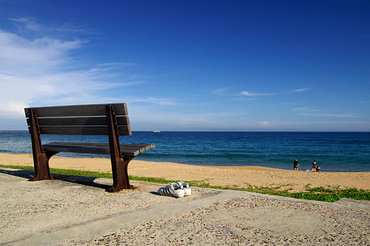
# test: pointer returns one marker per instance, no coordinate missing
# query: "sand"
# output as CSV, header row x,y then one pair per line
x,y
73,210
219,176
77,211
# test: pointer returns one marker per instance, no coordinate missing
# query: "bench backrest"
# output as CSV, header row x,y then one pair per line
x,y
79,119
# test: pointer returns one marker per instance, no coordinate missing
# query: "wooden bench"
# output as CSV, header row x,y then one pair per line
x,y
96,119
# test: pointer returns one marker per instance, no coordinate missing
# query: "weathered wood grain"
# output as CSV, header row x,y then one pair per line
x,y
98,148
78,121
78,110
83,130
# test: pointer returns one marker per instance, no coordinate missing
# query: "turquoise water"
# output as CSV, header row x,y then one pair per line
x,y
333,151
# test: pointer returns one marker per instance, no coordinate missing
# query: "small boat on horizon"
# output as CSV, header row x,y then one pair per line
x,y
157,131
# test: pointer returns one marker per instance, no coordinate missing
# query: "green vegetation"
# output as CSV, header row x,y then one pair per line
x,y
330,194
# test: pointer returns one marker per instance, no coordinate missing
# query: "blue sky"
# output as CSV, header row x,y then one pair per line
x,y
191,65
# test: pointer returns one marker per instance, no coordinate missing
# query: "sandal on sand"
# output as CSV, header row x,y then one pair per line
x,y
173,189
187,189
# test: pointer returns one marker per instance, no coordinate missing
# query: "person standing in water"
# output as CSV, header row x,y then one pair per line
x,y
296,165
314,166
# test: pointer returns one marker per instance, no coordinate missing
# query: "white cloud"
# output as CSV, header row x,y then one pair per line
x,y
223,92
115,64
20,55
254,94
30,25
150,100
220,91
305,109
183,120
27,23
300,90
42,71
258,94
264,124
328,115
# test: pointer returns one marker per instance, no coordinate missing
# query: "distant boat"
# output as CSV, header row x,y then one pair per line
x,y
157,131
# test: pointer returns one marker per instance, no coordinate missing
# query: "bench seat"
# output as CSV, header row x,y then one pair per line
x,y
131,150
110,120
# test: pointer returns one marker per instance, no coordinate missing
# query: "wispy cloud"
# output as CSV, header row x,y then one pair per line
x,y
29,24
221,91
150,100
305,109
41,70
329,115
258,94
19,55
184,120
311,112
255,94
300,90
246,93
116,64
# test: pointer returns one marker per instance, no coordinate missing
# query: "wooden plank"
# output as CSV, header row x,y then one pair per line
x,y
146,146
79,110
76,148
141,147
78,130
124,130
98,148
79,121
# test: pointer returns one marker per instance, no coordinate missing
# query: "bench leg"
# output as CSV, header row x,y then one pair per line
x,y
120,175
41,166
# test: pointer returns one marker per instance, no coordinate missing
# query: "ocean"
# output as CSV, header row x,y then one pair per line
x,y
333,151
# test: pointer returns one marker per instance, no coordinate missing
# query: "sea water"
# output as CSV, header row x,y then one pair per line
x,y
333,151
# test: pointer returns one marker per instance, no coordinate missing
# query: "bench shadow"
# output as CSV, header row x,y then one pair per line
x,y
27,174
155,193
89,181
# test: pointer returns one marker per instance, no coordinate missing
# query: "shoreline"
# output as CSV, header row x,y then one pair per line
x,y
226,176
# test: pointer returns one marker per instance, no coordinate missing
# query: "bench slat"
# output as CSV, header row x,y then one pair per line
x,y
79,121
80,130
144,147
98,148
78,110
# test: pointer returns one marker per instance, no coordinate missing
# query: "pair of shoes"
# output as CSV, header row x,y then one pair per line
x,y
177,190
173,189
186,186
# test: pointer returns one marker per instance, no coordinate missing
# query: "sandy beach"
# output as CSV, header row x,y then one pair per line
x,y
72,210
77,211
219,176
